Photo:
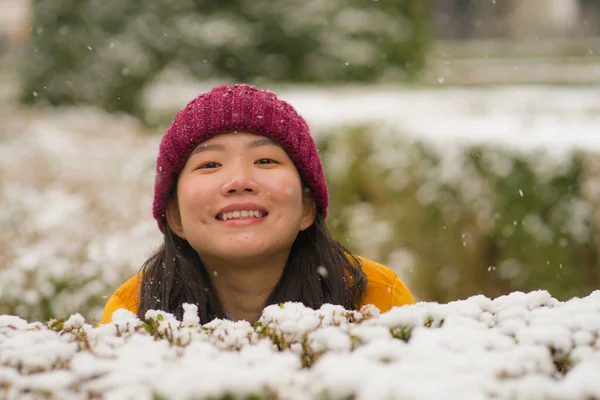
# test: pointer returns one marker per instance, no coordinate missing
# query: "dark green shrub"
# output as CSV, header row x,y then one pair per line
x,y
104,52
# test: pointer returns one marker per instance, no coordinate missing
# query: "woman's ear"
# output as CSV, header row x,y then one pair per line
x,y
309,210
173,217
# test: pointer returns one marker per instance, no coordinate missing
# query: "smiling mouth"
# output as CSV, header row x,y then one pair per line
x,y
245,214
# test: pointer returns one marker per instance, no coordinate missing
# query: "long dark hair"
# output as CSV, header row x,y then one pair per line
x,y
319,270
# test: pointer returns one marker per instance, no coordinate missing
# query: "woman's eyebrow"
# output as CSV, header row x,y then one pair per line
x,y
207,147
261,142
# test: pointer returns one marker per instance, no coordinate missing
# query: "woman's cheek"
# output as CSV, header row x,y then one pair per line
x,y
197,195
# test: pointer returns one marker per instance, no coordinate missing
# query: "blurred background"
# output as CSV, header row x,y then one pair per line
x,y
459,137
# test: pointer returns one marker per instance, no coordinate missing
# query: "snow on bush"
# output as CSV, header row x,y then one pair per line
x,y
75,219
519,346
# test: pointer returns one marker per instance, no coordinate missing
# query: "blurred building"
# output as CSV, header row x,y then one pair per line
x,y
516,19
515,41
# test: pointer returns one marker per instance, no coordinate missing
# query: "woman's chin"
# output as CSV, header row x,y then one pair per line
x,y
237,251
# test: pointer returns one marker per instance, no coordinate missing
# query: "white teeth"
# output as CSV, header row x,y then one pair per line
x,y
242,214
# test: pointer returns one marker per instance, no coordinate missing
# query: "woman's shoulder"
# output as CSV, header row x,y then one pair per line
x,y
129,292
127,296
377,273
384,288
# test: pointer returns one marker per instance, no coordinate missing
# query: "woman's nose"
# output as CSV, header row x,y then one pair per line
x,y
240,182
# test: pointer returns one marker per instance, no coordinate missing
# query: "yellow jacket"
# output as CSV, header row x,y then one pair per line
x,y
384,290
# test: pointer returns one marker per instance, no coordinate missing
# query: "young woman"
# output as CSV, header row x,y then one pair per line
x,y
241,199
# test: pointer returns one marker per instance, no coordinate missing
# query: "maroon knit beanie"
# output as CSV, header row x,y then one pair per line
x,y
241,108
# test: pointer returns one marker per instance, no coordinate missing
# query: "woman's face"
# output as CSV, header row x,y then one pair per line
x,y
239,196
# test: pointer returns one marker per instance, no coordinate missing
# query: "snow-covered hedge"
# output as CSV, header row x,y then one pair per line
x,y
75,218
519,346
462,219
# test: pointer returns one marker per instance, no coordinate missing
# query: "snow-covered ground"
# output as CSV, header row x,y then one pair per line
x,y
524,117
520,346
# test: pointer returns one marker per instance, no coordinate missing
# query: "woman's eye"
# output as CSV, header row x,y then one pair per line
x,y
209,165
266,161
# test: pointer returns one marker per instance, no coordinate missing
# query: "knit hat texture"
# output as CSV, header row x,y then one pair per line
x,y
240,108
